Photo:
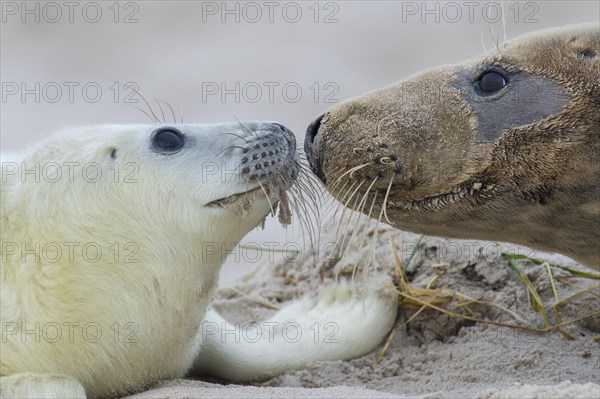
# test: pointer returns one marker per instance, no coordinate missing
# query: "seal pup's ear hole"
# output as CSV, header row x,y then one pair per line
x,y
586,53
113,153
490,82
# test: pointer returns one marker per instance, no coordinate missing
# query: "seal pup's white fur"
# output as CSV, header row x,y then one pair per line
x,y
109,326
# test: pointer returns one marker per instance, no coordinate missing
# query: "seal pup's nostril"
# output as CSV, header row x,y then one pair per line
x,y
313,129
279,125
287,133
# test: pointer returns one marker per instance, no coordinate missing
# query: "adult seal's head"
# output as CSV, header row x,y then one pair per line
x,y
501,147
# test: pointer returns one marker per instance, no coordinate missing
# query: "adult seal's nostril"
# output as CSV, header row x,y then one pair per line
x,y
313,129
313,157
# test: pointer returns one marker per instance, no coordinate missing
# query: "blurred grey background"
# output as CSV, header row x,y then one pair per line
x,y
213,61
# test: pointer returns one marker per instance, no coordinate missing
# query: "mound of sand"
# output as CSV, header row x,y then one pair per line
x,y
435,355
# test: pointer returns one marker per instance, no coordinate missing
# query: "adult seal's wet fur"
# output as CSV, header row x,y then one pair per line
x,y
502,147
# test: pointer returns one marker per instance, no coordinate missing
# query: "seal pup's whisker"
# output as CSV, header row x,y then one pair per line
x,y
312,193
503,20
236,135
131,87
308,189
251,132
170,108
315,192
228,148
305,215
315,183
313,222
164,120
144,112
307,229
267,197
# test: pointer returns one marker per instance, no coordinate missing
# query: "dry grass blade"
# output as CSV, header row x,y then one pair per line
x,y
579,273
495,305
555,292
412,254
536,301
257,301
433,296
388,341
582,290
574,272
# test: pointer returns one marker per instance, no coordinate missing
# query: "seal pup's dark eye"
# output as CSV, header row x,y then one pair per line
x,y
491,82
167,140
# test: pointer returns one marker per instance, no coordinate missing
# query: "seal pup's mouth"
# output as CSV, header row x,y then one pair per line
x,y
279,205
267,165
232,199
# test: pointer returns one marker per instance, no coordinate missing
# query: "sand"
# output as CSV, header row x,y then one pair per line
x,y
436,356
197,389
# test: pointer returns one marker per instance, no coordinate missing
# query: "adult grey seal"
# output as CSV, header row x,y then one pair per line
x,y
502,147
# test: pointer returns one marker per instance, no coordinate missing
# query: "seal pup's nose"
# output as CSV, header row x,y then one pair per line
x,y
287,133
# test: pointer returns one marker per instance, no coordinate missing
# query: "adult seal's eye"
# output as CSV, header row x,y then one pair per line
x,y
167,140
491,82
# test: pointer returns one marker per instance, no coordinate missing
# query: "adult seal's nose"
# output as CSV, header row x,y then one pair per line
x,y
313,129
313,157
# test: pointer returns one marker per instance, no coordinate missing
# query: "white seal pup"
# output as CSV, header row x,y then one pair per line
x,y
112,241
